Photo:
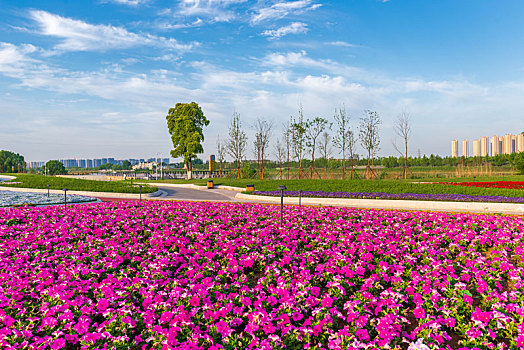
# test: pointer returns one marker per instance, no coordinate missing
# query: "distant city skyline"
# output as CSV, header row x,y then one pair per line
x,y
98,76
489,146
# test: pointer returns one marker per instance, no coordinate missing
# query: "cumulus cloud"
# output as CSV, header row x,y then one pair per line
x,y
282,9
293,28
78,35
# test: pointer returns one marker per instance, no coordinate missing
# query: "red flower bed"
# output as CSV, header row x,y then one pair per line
x,y
519,185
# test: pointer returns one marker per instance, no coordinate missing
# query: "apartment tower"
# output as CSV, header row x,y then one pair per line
x,y
485,147
495,150
520,142
454,148
476,148
465,148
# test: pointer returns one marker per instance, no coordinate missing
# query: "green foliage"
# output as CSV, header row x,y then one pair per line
x,y
58,183
248,170
518,162
11,162
185,123
54,167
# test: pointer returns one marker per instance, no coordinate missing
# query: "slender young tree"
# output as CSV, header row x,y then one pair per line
x,y
221,153
236,145
298,138
314,128
325,149
343,137
280,154
286,136
402,129
369,138
263,132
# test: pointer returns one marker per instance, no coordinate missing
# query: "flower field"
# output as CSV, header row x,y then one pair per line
x,y
449,197
518,185
175,275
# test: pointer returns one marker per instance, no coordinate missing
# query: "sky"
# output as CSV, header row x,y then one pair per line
x,y
92,79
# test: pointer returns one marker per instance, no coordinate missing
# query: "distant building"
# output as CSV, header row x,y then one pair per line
x,y
485,146
476,148
145,165
520,142
508,144
465,148
454,148
495,149
89,163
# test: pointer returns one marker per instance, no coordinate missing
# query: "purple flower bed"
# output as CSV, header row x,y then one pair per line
x,y
409,196
176,275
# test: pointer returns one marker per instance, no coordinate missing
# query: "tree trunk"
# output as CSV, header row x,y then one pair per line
x,y
406,163
343,162
189,170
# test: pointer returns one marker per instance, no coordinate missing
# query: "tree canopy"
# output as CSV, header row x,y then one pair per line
x,y
54,167
185,123
11,162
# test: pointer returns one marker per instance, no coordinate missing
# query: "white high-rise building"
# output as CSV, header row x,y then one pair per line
x,y
476,148
465,148
485,146
454,148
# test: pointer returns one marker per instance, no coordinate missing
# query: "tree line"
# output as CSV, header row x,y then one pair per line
x,y
302,137
11,162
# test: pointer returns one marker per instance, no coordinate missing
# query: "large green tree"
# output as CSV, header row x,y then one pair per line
x,y
185,123
11,162
54,167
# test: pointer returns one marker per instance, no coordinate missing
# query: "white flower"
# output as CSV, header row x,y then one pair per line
x,y
419,345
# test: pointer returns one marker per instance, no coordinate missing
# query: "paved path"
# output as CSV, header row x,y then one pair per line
x,y
180,193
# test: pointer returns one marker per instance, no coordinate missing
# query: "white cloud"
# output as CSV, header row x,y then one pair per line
x,y
282,9
127,2
78,35
293,28
215,10
341,44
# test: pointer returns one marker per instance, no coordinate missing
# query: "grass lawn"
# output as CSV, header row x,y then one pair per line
x,y
59,183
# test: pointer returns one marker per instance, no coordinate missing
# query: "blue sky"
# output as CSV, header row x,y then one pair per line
x,y
89,79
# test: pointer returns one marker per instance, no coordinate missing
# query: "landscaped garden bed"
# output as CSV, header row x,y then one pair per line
x,y
219,275
406,196
519,185
11,198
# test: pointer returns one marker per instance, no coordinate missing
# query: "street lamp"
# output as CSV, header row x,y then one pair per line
x,y
140,186
281,188
299,198
65,197
48,191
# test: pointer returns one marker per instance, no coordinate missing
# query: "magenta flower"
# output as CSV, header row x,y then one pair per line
x,y
297,316
327,301
362,335
223,328
194,301
82,326
102,305
419,312
59,343
166,317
